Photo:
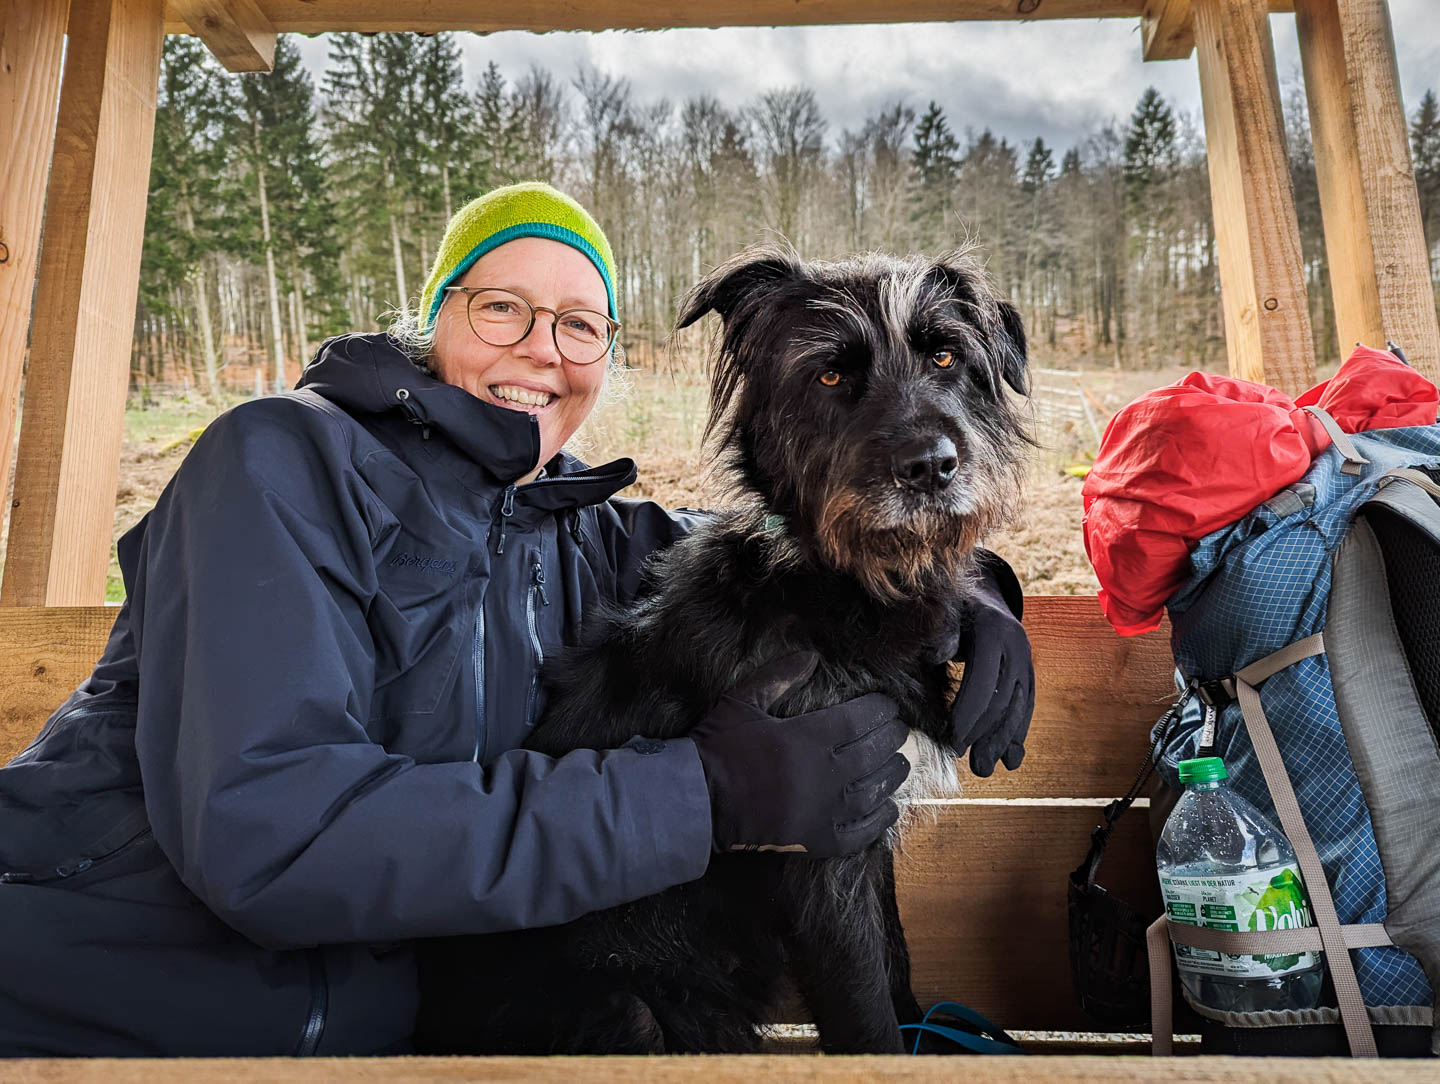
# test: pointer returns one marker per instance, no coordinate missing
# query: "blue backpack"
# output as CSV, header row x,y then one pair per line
x,y
1307,646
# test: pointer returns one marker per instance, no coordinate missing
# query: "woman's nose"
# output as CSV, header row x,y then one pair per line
x,y
539,344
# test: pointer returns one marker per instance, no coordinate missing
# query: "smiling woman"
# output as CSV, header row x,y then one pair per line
x,y
304,746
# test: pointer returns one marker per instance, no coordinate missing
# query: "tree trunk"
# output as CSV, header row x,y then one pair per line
x,y
276,328
399,261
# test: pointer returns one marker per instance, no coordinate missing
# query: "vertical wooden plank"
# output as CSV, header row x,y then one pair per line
x,y
69,457
1402,267
32,39
1338,172
1262,281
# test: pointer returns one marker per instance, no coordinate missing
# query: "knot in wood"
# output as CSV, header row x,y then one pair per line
x,y
1271,304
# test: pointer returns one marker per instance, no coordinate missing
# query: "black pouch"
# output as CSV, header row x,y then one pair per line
x,y
1109,966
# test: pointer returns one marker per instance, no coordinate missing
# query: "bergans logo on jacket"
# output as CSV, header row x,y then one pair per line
x,y
304,730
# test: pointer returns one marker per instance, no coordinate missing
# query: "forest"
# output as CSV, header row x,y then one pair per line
x,y
281,212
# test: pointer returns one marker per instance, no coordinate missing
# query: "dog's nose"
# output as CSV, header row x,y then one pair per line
x,y
927,464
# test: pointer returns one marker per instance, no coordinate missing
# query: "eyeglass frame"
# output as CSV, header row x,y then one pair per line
x,y
470,291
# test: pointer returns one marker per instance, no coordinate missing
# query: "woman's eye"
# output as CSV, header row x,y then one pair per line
x,y
943,358
499,308
830,378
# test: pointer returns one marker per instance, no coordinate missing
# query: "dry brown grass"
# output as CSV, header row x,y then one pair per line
x,y
659,422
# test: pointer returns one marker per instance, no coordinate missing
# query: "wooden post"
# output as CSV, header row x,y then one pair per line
x,y
69,458
1402,266
1339,176
32,38
1262,280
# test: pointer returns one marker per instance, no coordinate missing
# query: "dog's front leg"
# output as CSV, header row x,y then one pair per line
x,y
897,952
837,950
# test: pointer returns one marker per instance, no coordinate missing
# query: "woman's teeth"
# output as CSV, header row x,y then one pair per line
x,y
508,393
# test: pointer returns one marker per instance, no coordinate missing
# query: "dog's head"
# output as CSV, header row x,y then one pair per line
x,y
865,401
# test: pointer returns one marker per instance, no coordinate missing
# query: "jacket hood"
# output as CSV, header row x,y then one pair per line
x,y
369,374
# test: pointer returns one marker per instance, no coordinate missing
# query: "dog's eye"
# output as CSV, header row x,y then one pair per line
x,y
943,358
830,378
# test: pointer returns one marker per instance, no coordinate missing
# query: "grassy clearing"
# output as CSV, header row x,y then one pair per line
x,y
658,420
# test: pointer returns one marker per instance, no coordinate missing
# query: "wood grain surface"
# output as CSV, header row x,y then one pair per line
x,y
1166,30
1402,265
1097,693
236,31
45,651
721,1070
1349,253
317,16
1262,279
68,462
32,39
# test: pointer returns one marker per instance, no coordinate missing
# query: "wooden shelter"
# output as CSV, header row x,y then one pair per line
x,y
99,155
93,129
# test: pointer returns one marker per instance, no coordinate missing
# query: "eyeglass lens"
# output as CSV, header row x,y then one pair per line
x,y
501,318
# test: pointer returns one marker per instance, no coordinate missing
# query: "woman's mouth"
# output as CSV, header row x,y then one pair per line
x,y
517,398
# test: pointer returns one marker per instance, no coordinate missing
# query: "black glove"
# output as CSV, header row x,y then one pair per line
x,y
820,783
991,712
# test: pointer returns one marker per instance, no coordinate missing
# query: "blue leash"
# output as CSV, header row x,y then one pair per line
x,y
976,1044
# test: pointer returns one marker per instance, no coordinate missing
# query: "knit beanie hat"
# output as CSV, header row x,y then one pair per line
x,y
530,209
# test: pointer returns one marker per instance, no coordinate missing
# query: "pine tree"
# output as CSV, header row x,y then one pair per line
x,y
934,173
1425,149
184,224
372,103
445,128
284,174
1149,149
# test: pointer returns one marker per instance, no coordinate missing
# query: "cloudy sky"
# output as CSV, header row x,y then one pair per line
x,y
1057,79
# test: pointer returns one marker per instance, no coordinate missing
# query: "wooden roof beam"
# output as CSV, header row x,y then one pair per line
x,y
239,34
321,16
1167,30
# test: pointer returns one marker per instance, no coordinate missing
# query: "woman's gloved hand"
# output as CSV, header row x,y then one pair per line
x,y
990,715
821,783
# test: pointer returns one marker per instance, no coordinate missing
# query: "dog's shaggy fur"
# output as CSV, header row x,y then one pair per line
x,y
836,390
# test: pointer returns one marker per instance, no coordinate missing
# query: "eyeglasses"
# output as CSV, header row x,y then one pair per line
x,y
504,318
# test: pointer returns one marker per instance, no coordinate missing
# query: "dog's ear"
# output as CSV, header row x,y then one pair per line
x,y
736,279
962,278
1014,366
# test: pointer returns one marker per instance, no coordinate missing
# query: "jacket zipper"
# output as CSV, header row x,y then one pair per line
x,y
477,656
537,587
319,1005
507,509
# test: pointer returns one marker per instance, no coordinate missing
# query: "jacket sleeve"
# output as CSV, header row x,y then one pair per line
x,y
632,530
249,588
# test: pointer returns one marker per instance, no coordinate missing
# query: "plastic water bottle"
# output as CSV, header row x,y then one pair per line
x,y
1224,866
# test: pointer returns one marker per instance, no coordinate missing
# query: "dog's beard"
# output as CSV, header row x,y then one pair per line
x,y
858,535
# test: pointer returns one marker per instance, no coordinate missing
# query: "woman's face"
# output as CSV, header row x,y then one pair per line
x,y
545,273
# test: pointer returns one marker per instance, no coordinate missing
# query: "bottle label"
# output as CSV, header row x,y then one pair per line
x,y
1272,899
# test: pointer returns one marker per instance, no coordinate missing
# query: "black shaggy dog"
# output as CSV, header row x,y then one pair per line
x,y
861,406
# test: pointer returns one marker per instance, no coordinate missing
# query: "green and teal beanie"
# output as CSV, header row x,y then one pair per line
x,y
530,209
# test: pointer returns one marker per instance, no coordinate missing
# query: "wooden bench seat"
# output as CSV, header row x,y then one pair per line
x,y
982,880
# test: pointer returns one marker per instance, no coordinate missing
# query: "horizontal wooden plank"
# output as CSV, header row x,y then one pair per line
x,y
319,16
982,891
1097,693
718,1070
1096,696
45,651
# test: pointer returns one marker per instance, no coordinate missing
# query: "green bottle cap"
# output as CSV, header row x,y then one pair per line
x,y
1203,770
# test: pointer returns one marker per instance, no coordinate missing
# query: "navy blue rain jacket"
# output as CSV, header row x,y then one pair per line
x,y
299,751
